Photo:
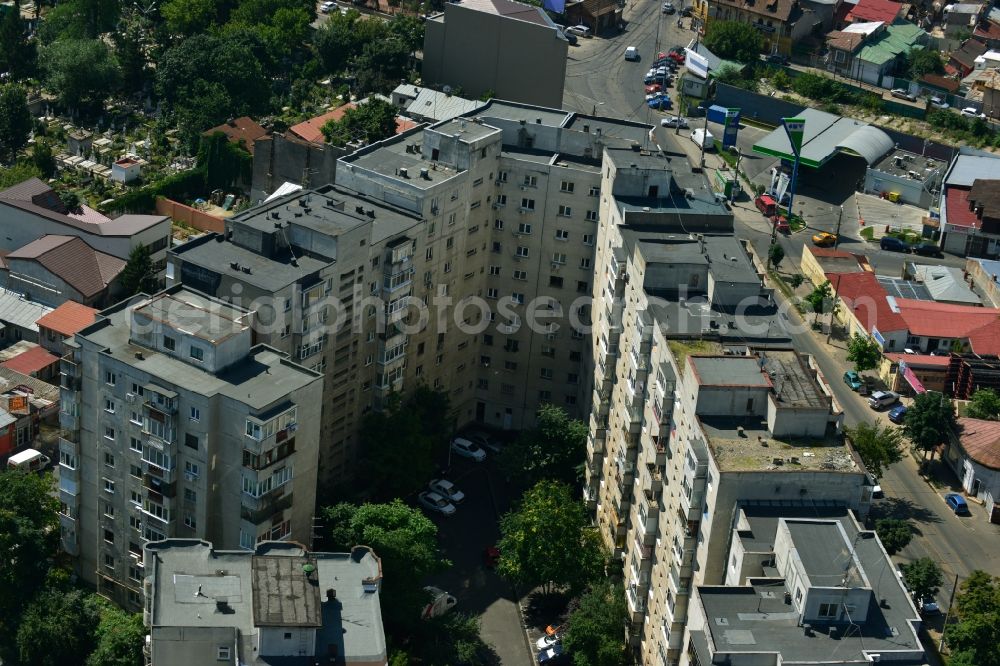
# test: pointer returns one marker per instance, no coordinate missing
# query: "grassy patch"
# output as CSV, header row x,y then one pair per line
x,y
681,349
910,237
868,234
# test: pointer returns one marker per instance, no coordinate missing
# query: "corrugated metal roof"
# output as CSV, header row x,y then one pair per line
x,y
981,441
869,142
825,134
947,283
439,106
73,260
17,310
968,168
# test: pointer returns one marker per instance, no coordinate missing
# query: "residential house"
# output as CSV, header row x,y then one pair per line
x,y
429,105
818,261
18,315
984,277
962,61
55,269
874,11
243,131
876,53
988,32
779,21
275,603
970,206
904,372
36,361
62,323
946,284
25,403
509,48
960,20
974,455
598,15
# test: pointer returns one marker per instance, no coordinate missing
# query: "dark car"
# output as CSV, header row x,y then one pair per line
x,y
927,250
893,244
897,414
776,59
571,38
687,11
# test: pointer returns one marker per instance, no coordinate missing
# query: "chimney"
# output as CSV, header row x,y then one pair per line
x,y
425,174
403,173
331,594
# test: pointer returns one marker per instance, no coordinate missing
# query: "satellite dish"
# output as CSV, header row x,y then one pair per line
x,y
447,90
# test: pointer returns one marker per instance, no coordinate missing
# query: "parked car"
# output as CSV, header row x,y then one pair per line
x,y
852,379
703,139
972,112
553,655
893,244
775,59
467,449
781,225
823,239
547,641
897,414
483,440
654,87
436,503
441,602
578,30
447,489
928,606
938,102
880,399
687,11
668,8
326,7
927,250
675,121
661,102
30,460
877,492
903,94
957,504
631,53
571,38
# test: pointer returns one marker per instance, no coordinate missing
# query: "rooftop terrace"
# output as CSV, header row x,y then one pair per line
x,y
745,444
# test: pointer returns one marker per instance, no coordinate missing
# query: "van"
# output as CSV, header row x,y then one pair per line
x,y
766,205
703,139
631,53
29,460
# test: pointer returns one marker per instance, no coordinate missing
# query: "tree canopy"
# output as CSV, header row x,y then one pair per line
x,y
928,421
775,254
878,445
15,121
863,352
547,540
138,275
58,628
984,404
554,449
369,122
594,629
973,639
734,40
923,578
17,52
818,298
894,534
919,62
82,72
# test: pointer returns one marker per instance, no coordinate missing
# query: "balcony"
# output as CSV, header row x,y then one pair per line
x,y
636,604
396,281
68,421
652,480
69,487
165,488
266,507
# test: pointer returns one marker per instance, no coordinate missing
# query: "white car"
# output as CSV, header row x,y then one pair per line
x,y
447,489
434,502
467,449
971,112
578,30
441,602
483,441
675,121
326,7
939,103
546,641
631,53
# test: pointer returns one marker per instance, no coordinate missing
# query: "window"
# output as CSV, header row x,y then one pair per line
x,y
518,298
492,293
510,365
109,536
591,216
222,654
594,191
522,252
109,405
109,459
497,247
137,389
191,469
562,234
189,521
135,471
449,242
494,270
109,561
546,373
484,361
585,263
588,239
487,340
447,267
191,441
502,177
545,396
190,495
520,275
109,433
195,414
501,200
828,610
109,510
135,417
135,444
573,378
511,345
530,181
566,186
565,211
555,281
571,400
135,573
67,460
110,378
582,287
197,353
558,258
507,389
527,204
135,498
451,219
524,228
169,343
548,351
429,254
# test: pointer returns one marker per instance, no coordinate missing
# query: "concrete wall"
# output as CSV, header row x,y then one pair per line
x,y
480,51
285,641
281,158
910,191
192,217
986,284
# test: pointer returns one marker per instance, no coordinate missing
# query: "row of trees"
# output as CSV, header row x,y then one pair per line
x,y
44,619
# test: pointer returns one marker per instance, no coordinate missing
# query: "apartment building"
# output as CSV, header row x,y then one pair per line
x,y
804,584
458,255
699,404
175,424
278,603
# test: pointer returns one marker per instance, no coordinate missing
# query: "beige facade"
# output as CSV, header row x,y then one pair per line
x,y
700,405
507,47
176,425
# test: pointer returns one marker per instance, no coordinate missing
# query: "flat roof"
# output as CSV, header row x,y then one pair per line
x,y
728,371
824,551
737,444
284,595
967,169
901,163
389,156
825,135
193,313
538,115
795,385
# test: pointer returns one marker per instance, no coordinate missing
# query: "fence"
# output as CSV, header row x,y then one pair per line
x,y
190,216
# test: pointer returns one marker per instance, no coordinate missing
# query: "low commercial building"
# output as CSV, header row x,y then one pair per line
x,y
817,262
945,284
984,274
901,372
906,177
277,604
974,454
970,206
511,49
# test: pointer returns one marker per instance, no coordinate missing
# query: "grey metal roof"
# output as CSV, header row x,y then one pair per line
x,y
433,105
728,371
968,168
869,142
17,310
947,283
825,134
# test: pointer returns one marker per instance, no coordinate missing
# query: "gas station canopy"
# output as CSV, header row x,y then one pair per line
x,y
827,134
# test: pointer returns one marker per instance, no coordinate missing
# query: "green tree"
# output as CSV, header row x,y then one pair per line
x,y
29,537
405,440
732,76
15,121
554,449
406,541
372,121
70,200
17,52
918,62
226,164
818,298
775,254
455,638
923,578
336,41
734,40
18,173
43,159
928,421
894,534
595,630
382,65
863,352
548,540
974,638
82,72
984,404
129,40
781,80
188,17
879,446
119,637
58,628
138,275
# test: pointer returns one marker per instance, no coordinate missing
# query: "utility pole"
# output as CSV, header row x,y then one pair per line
x,y
836,235
736,179
947,614
704,139
833,308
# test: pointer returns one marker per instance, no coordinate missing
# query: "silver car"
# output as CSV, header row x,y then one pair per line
x,y
434,502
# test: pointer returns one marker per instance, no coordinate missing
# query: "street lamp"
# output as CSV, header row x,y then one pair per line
x,y
596,104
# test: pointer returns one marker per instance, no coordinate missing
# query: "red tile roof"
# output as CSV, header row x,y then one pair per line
x,y
242,130
944,320
867,299
959,215
867,11
69,318
921,360
829,252
311,130
981,441
989,31
943,82
31,361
